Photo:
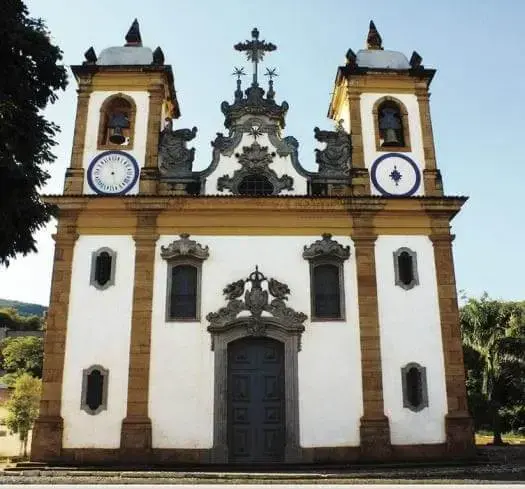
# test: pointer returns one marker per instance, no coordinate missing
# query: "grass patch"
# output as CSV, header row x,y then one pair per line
x,y
486,437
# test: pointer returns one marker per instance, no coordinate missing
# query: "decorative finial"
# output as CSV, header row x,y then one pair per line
x,y
133,36
415,60
158,56
255,51
374,40
238,72
90,55
270,73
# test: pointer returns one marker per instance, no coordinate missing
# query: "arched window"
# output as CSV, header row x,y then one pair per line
x,y
117,122
391,125
327,257
414,382
94,389
405,266
183,294
103,264
255,185
327,293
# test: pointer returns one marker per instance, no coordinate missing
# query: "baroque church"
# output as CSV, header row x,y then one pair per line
x,y
253,312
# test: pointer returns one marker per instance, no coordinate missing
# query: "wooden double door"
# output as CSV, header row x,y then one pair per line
x,y
256,401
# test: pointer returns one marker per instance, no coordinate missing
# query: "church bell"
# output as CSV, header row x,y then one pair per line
x,y
391,138
116,124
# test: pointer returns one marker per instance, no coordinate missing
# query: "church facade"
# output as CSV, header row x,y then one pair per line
x,y
254,311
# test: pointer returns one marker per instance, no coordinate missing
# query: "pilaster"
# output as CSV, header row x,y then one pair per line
x,y
458,424
374,429
46,443
74,181
431,175
359,173
135,442
150,173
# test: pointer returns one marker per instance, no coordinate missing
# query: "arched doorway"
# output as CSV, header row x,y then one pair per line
x,y
256,401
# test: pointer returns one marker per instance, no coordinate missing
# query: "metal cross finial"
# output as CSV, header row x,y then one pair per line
x,y
255,51
271,72
238,72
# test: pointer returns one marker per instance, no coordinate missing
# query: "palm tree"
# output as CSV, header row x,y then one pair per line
x,y
495,330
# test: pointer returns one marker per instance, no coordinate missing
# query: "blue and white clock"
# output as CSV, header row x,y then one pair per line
x,y
112,173
395,174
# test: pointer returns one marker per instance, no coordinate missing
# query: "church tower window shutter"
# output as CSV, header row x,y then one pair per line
x,y
405,267
327,294
94,389
414,384
103,265
183,298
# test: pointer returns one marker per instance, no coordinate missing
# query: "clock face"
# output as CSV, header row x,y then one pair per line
x,y
112,173
395,174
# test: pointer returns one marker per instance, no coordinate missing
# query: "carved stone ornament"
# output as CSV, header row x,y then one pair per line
x,y
184,248
175,158
326,248
336,158
253,103
256,301
255,160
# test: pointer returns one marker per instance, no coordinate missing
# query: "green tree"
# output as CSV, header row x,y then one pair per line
x,y
23,408
24,354
494,336
30,75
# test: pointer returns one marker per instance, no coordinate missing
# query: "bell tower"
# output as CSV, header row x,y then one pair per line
x,y
124,95
382,99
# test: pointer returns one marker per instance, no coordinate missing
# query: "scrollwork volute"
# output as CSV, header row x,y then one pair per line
x,y
326,248
184,248
257,300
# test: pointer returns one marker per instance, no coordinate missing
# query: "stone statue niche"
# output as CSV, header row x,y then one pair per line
x,y
336,159
175,158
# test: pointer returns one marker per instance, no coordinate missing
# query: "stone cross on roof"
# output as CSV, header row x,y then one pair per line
x,y
255,51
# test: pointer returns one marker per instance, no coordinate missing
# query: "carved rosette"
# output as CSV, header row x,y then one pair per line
x,y
256,301
255,160
184,248
326,248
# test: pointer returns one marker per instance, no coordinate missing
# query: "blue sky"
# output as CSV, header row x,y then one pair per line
x,y
477,103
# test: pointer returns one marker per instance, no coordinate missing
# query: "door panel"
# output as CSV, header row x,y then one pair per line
x,y
256,421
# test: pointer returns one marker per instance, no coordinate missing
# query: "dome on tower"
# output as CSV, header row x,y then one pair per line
x,y
132,53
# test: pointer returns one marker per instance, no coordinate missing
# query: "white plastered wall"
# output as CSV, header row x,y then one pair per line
x,y
414,123
98,333
141,99
181,396
410,331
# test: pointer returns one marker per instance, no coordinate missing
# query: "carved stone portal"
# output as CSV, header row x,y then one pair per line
x,y
255,160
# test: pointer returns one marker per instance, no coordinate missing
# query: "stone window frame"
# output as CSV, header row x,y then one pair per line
x,y
424,386
177,262
102,123
415,274
327,252
404,121
105,375
94,255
